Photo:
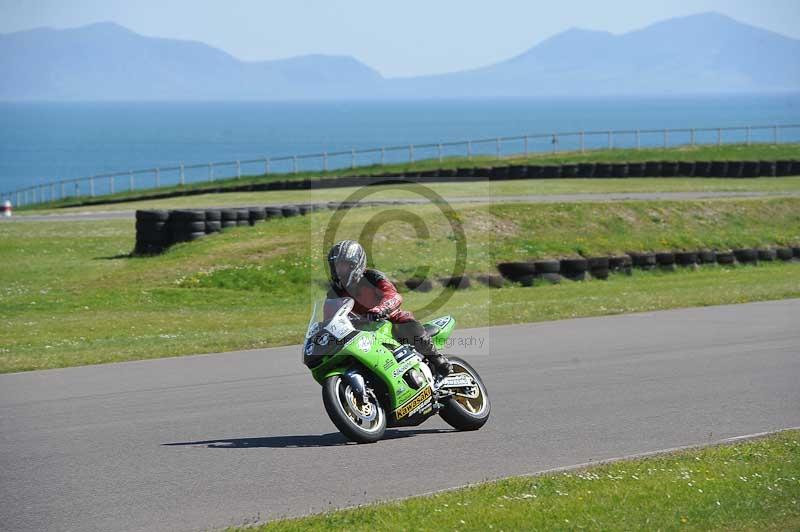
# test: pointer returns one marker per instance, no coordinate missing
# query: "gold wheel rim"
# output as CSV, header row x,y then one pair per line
x,y
473,405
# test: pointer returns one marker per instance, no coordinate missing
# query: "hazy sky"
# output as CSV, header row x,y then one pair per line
x,y
397,38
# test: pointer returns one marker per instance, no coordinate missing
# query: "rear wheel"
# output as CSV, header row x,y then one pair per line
x,y
358,421
469,407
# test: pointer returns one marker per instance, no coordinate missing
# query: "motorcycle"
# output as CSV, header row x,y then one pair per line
x,y
370,381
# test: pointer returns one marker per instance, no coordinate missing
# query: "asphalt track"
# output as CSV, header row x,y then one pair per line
x,y
541,198
207,441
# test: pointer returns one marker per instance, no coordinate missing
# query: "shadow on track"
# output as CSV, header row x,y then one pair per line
x,y
285,442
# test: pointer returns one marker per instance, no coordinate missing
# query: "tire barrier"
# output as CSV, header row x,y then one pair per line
x,y
551,172
256,214
416,284
652,169
619,170
575,269
534,172
636,169
783,168
794,168
718,169
702,169
734,169
586,170
290,210
686,169
767,254
152,233
602,170
669,169
242,217
458,283
273,212
751,169
569,171
228,218
767,169
599,267
517,172
186,225
491,280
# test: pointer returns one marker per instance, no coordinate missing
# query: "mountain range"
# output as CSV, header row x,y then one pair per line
x,y
706,53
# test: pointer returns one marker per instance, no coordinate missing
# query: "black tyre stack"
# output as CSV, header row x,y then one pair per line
x,y
256,214
227,218
599,267
152,232
213,221
666,261
187,225
574,269
242,217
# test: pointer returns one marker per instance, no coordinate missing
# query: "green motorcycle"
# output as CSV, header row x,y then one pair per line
x,y
371,382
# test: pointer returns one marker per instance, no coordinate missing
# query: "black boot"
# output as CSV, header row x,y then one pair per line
x,y
438,361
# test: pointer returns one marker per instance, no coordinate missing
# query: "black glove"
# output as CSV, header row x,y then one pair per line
x,y
377,314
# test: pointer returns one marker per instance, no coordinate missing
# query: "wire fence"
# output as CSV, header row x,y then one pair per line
x,y
498,147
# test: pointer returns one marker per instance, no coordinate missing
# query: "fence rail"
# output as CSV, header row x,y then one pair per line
x,y
499,147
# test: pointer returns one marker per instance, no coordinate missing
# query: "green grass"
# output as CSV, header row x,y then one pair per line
x,y
71,296
753,485
485,189
683,153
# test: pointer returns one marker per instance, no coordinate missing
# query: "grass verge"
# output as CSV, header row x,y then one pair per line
x,y
753,485
682,153
71,296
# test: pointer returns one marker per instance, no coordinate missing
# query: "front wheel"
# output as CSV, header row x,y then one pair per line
x,y
468,408
358,421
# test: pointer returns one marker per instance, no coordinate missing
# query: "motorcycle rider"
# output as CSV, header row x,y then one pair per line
x,y
377,298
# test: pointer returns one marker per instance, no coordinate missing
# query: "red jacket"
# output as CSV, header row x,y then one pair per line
x,y
373,293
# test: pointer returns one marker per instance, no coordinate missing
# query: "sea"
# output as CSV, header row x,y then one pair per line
x,y
41,143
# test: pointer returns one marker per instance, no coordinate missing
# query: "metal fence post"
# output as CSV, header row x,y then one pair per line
x,y
469,150
719,136
158,178
325,161
526,145
638,140
774,134
266,166
610,140
583,142
748,135
666,138
77,189
692,136
411,153
440,152
352,158
131,183
62,190
17,198
238,170
52,192
294,164
211,172
91,186
383,156
555,143
498,148
183,176
111,183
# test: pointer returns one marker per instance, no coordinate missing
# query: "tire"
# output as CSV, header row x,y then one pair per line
x,y
669,169
599,267
574,269
256,214
150,226
586,170
569,171
213,226
718,169
783,168
745,255
767,254
496,281
702,169
706,256
305,209
621,264
665,259
619,170
734,169
188,216
458,283
796,252
534,172
152,216
242,216
602,170
513,271
498,173
541,267
290,210
228,224
636,169
194,227
645,261
227,215
517,172
767,168
652,169
686,169
146,237
213,215
750,169
334,392
726,258
465,172
784,253
686,258
273,212
551,172
466,414
419,285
